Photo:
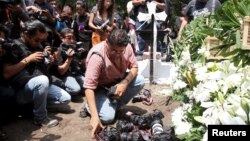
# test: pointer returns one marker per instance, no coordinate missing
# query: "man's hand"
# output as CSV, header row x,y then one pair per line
x,y
96,125
121,88
70,52
35,57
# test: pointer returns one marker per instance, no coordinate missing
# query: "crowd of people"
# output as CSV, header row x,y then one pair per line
x,y
51,52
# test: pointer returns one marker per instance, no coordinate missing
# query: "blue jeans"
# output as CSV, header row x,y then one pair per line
x,y
73,85
40,92
106,109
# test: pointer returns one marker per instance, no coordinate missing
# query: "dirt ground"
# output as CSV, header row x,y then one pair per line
x,y
74,128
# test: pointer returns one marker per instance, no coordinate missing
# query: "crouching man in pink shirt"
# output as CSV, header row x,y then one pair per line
x,y
110,63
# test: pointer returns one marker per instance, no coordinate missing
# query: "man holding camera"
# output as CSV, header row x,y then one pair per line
x,y
70,62
25,69
106,65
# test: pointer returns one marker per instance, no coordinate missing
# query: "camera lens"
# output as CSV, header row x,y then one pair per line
x,y
157,127
46,60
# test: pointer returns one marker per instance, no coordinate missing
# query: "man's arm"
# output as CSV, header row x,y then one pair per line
x,y
184,21
131,75
95,121
62,69
9,70
138,2
160,5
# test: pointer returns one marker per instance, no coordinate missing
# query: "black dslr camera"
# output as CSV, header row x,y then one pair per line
x,y
9,46
111,94
108,134
76,66
132,136
80,50
125,126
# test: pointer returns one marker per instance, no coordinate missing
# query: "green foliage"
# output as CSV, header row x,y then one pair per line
x,y
198,130
225,24
195,134
180,96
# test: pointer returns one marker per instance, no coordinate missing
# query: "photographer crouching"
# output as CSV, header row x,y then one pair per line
x,y
106,65
25,67
70,62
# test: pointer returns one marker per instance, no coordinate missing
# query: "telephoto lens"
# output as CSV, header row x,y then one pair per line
x,y
156,127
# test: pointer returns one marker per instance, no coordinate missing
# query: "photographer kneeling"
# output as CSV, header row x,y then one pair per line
x,y
70,62
25,67
106,65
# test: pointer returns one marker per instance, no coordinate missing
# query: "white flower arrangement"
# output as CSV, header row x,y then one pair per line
x,y
219,96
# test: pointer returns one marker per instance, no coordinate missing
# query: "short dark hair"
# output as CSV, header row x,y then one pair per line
x,y
82,3
66,31
118,37
33,26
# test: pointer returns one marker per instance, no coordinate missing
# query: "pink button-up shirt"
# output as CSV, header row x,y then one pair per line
x,y
97,73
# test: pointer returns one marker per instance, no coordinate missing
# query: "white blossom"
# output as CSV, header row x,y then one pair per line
x,y
179,84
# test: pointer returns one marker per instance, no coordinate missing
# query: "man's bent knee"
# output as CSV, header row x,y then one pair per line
x,y
107,119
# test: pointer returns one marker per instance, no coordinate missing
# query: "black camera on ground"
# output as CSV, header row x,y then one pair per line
x,y
108,134
132,136
143,121
156,122
136,127
125,126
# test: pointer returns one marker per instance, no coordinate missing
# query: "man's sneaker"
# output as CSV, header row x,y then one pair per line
x,y
47,122
84,113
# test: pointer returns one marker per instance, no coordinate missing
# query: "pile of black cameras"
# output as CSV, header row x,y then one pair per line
x,y
147,127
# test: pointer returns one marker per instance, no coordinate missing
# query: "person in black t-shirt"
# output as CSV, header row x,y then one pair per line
x,y
25,66
82,31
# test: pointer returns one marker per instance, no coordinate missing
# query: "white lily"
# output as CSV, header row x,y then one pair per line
x,y
226,119
179,84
